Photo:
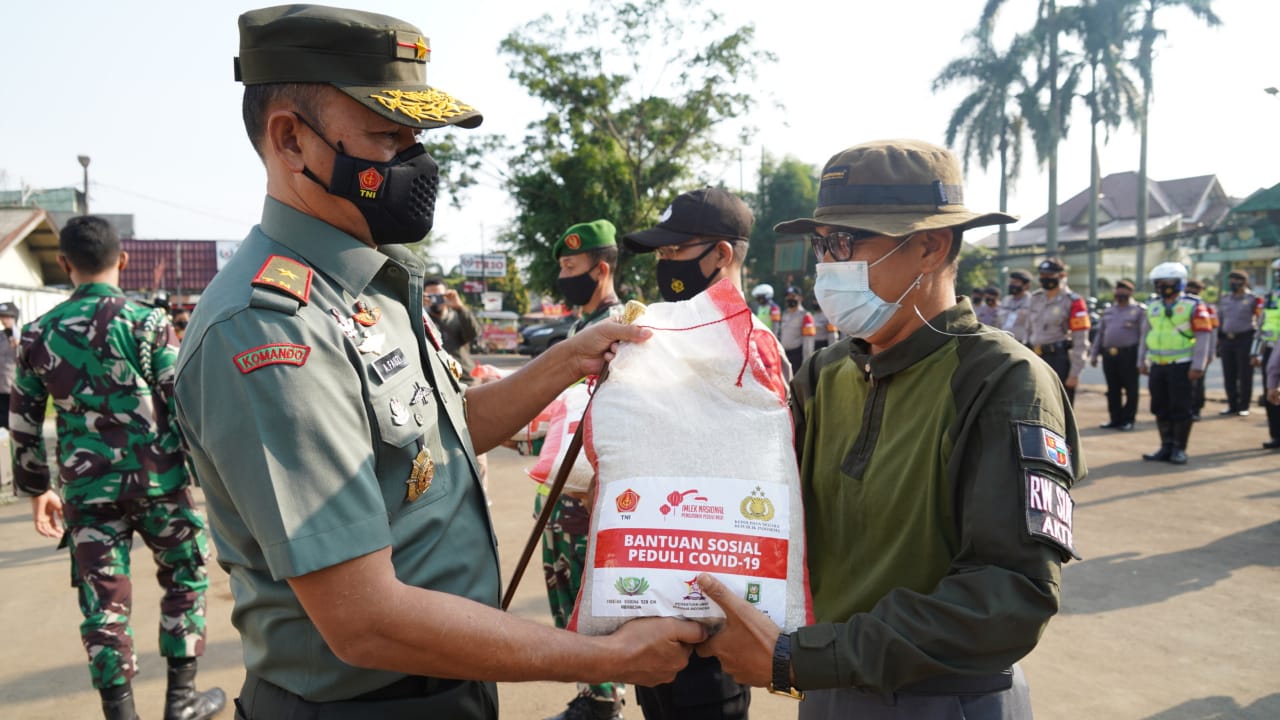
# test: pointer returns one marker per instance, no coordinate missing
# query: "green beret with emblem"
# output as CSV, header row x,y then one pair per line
x,y
377,60
586,236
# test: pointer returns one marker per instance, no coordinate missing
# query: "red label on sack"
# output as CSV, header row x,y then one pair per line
x,y
693,550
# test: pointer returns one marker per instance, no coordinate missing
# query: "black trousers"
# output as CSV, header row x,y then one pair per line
x,y
1060,361
413,698
1170,390
1273,411
1237,368
1121,371
701,691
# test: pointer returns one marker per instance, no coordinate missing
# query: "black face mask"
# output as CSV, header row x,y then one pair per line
x,y
793,303
1122,298
1015,289
1049,283
1167,291
577,289
682,279
1236,286
397,198
991,301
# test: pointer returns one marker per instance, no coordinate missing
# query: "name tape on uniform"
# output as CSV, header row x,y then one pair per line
x,y
1050,511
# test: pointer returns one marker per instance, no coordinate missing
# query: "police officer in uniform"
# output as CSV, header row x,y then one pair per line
x,y
1173,352
1015,305
920,615
796,328
990,312
1268,337
355,532
8,356
588,256
1238,312
767,311
1117,343
1057,325
1194,288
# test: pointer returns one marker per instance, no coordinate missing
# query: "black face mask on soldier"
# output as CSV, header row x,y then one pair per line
x,y
577,289
1048,283
682,279
397,198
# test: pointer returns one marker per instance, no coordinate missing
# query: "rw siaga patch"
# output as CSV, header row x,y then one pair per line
x,y
1049,510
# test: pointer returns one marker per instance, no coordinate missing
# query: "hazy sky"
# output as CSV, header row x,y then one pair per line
x,y
146,90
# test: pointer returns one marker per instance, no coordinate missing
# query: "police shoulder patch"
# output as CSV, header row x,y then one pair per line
x,y
1049,511
1036,442
286,275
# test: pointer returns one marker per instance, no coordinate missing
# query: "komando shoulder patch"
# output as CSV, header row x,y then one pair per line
x,y
1036,442
1049,512
286,275
274,354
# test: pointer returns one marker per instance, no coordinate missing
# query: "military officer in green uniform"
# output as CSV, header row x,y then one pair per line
x,y
335,446
107,364
936,458
588,257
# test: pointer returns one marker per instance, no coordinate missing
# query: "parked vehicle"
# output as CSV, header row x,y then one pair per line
x,y
535,339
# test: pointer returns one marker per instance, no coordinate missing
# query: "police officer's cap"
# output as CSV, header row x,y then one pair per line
x,y
8,309
379,61
1238,275
1020,275
583,237
1052,265
1126,284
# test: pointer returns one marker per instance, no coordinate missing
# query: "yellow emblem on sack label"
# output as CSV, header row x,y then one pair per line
x,y
756,506
422,104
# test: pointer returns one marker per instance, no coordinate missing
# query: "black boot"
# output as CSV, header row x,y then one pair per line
x,y
117,703
182,701
1181,430
1166,442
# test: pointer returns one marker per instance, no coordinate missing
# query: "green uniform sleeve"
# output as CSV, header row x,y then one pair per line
x,y
1001,588
28,400
281,440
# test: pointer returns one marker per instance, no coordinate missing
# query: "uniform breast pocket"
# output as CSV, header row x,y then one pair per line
x,y
402,415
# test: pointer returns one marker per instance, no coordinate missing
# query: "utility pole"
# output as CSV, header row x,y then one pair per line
x,y
84,163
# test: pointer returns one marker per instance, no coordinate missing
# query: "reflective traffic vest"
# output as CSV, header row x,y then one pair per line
x,y
1270,330
1170,337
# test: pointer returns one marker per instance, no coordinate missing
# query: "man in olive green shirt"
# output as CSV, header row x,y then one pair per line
x,y
936,456
335,447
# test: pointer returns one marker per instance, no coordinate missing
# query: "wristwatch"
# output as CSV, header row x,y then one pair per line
x,y
781,684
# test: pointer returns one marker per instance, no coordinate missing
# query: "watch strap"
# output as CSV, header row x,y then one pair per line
x,y
781,683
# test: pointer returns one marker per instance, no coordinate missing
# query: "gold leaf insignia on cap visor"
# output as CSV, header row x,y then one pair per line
x,y
422,104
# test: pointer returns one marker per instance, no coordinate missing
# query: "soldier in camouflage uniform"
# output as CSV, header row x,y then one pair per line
x,y
108,365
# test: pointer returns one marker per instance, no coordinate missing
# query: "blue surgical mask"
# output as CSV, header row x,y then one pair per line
x,y
844,292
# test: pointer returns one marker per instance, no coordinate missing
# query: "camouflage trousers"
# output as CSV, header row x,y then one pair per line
x,y
101,536
564,557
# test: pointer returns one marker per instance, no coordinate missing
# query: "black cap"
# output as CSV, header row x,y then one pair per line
x,y
707,212
378,60
1051,265
8,309
1020,275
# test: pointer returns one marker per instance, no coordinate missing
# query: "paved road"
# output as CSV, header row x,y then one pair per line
x,y
1170,616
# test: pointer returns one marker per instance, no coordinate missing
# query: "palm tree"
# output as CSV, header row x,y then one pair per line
x,y
1148,35
1048,124
1103,29
989,117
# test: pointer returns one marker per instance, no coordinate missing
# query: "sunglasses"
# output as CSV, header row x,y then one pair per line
x,y
838,244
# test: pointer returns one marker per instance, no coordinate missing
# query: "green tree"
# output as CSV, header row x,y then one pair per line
x,y
787,189
1103,29
1147,36
974,268
610,146
990,116
1047,121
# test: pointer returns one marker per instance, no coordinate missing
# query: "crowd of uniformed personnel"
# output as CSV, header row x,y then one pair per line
x,y
362,557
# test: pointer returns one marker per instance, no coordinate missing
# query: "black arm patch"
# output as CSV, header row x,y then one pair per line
x,y
1036,442
1049,510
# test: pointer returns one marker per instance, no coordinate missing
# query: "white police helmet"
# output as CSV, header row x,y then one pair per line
x,y
766,290
1169,271
1276,265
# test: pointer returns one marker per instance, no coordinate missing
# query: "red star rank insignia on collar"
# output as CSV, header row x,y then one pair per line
x,y
286,275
